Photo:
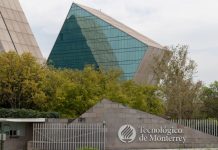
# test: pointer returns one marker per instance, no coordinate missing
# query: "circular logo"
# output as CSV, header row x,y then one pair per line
x,y
127,133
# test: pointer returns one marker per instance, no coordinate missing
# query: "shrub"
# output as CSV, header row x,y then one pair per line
x,y
26,113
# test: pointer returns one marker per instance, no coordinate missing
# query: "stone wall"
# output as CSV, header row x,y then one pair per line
x,y
115,115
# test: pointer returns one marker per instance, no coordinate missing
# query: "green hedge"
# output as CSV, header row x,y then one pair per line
x,y
26,113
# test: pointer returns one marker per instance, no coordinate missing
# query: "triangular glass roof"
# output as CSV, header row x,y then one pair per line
x,y
121,26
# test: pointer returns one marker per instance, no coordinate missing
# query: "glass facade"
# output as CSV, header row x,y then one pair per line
x,y
87,39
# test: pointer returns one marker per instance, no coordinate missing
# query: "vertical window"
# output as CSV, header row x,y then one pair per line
x,y
61,36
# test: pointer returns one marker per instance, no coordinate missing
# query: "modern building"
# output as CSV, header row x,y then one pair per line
x,y
89,36
15,32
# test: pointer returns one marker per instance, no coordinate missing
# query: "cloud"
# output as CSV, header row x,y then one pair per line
x,y
207,65
169,22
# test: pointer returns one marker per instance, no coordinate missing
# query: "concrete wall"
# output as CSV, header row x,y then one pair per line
x,y
115,115
15,32
145,73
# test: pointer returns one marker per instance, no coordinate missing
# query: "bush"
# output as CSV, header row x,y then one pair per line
x,y
26,113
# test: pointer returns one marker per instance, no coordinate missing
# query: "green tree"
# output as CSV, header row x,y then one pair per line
x,y
210,100
141,97
73,92
180,92
20,81
26,84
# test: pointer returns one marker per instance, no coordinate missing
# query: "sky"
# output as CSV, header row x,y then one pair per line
x,y
168,22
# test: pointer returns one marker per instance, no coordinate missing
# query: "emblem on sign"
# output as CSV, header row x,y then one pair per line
x,y
127,133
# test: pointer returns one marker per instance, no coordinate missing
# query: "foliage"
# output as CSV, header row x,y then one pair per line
x,y
20,81
74,92
26,84
180,92
140,97
26,113
210,100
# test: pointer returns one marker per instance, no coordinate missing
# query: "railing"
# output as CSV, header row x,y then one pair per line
x,y
63,136
208,126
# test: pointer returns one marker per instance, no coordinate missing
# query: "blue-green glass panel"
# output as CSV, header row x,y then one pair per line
x,y
105,45
71,49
